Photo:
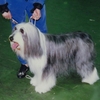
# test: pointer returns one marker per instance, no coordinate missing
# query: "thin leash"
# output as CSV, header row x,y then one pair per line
x,y
30,20
14,21
28,77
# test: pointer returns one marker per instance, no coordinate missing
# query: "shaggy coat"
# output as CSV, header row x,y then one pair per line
x,y
50,55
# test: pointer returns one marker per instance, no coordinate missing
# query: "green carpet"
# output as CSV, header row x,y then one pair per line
x,y
62,16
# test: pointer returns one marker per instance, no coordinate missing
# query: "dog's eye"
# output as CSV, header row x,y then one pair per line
x,y
22,31
15,28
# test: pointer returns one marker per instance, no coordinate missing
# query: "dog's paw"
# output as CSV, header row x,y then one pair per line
x,y
42,89
33,81
92,78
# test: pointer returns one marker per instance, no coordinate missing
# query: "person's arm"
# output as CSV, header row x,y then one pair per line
x,y
3,6
37,6
5,10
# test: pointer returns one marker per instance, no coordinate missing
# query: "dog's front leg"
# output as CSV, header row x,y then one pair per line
x,y
46,84
36,79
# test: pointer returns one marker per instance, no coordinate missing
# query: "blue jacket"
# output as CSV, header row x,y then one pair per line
x,y
2,2
16,1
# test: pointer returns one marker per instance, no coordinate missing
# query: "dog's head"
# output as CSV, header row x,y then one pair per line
x,y
25,40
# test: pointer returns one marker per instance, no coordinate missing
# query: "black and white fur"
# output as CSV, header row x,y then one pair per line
x,y
49,55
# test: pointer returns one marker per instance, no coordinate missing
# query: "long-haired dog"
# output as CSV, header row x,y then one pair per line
x,y
49,55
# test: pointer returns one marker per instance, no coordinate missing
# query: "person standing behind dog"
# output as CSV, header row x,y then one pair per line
x,y
17,10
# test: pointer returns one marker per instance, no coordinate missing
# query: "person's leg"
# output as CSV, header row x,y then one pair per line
x,y
23,69
18,14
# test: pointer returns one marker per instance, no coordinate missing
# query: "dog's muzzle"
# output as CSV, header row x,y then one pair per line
x,y
14,45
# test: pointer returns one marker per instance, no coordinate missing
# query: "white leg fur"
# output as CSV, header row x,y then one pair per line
x,y
92,78
34,81
46,84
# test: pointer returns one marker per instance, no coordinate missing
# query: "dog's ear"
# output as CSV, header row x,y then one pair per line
x,y
32,41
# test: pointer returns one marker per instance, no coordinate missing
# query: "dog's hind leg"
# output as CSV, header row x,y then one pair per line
x,y
85,62
87,72
92,77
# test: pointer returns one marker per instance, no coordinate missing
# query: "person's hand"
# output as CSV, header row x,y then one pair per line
x,y
7,15
36,14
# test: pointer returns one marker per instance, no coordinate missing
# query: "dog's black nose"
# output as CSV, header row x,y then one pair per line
x,y
11,38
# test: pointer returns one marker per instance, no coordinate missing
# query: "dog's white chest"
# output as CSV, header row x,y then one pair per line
x,y
37,63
